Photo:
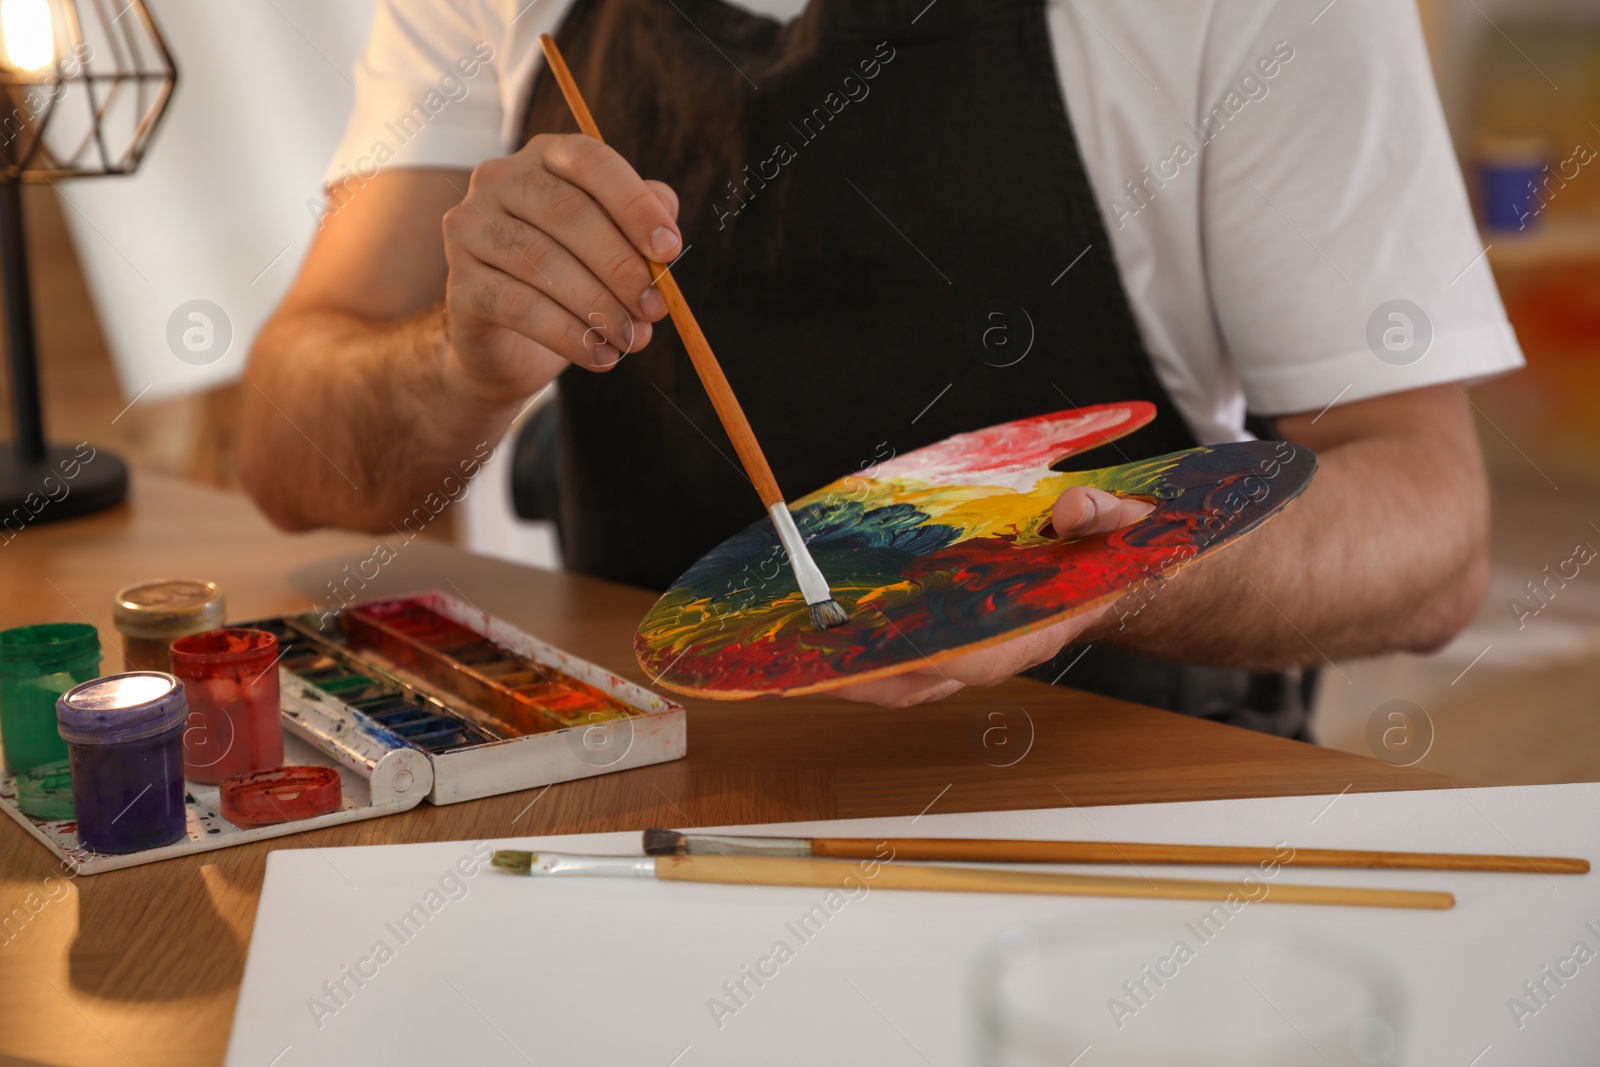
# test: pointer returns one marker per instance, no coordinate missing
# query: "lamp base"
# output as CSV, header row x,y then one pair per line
x,y
72,480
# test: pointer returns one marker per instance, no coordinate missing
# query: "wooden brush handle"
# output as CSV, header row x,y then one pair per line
x,y
768,870
989,851
694,340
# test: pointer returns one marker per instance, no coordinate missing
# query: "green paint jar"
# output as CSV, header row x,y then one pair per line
x,y
37,665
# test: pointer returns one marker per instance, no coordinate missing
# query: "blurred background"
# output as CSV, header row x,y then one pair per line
x,y
215,216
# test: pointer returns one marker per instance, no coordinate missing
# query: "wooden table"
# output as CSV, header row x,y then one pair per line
x,y
142,966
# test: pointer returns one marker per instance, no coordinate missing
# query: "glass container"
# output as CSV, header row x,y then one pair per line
x,y
38,664
45,791
1198,984
230,678
125,736
151,614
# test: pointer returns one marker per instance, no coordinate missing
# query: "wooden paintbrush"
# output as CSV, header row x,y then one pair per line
x,y
851,877
825,611
977,850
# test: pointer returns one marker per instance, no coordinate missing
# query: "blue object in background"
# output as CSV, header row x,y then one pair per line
x,y
1508,175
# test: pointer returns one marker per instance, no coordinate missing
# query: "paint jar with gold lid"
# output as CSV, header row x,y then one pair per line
x,y
151,615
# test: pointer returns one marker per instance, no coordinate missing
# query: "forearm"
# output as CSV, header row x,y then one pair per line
x,y
351,422
1385,550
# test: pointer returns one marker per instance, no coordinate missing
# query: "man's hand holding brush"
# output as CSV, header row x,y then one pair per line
x,y
548,264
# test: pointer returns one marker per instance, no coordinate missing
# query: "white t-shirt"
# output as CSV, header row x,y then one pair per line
x,y
1270,176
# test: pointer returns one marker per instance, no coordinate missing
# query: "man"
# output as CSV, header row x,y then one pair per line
x,y
1211,207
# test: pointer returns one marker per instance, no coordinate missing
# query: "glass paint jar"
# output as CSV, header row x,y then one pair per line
x,y
151,614
1041,994
45,791
230,678
125,736
38,664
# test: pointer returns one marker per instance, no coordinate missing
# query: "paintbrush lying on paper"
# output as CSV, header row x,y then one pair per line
x,y
978,850
829,874
825,611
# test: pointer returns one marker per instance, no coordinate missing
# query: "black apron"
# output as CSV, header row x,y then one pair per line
x,y
890,239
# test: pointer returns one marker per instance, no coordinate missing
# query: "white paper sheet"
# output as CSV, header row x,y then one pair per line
x,y
501,969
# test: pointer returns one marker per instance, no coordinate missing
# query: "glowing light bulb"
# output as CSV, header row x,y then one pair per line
x,y
28,34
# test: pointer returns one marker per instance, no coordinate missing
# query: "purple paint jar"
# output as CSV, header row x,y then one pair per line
x,y
124,735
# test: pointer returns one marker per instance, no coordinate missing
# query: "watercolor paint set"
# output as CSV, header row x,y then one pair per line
x,y
493,709
287,724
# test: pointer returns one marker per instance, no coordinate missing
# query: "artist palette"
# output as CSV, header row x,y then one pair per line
x,y
947,550
415,698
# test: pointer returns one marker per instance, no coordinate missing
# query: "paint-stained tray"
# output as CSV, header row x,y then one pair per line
x,y
452,730
396,781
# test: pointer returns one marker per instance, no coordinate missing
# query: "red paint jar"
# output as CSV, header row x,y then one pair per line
x,y
287,794
230,679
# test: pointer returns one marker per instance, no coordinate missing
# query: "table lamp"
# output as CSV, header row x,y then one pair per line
x,y
85,82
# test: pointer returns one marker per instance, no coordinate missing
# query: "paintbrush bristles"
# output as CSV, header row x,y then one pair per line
x,y
511,859
658,842
825,611
828,614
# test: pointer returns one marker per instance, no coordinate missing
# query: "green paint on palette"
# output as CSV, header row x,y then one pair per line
x,y
38,664
335,685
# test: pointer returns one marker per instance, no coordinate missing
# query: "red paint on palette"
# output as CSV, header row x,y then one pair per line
x,y
283,794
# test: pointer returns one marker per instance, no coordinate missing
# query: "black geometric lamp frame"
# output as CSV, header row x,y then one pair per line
x,y
84,106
